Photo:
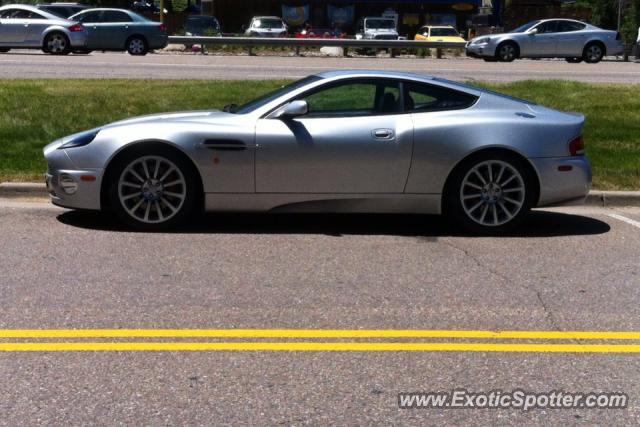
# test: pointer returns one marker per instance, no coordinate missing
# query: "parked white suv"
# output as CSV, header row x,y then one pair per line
x,y
377,28
266,26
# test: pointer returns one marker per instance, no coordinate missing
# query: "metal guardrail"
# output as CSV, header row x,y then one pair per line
x,y
293,42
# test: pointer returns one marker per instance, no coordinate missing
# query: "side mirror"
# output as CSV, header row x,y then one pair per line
x,y
533,32
291,110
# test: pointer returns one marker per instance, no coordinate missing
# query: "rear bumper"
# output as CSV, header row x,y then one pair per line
x,y
158,42
563,180
78,39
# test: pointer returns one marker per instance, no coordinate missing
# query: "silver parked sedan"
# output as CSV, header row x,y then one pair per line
x,y
120,29
28,27
339,141
548,38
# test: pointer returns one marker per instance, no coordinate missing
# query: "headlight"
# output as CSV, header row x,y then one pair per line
x,y
80,139
482,40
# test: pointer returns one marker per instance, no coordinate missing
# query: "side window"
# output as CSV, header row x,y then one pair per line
x,y
115,16
355,98
6,14
34,15
89,17
16,14
547,27
420,98
567,26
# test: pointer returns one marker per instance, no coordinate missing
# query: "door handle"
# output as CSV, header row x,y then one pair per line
x,y
382,133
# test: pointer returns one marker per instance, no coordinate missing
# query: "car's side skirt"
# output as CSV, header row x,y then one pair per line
x,y
323,203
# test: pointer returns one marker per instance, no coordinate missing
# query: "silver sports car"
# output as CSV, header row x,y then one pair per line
x,y
24,26
339,141
548,38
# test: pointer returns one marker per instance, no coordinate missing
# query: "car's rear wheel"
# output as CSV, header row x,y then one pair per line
x,y
137,45
593,53
507,52
56,44
573,60
490,194
153,189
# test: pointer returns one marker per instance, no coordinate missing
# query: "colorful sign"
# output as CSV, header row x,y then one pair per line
x,y
340,16
295,16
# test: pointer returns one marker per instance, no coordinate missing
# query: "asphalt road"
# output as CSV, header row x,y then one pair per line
x,y
30,64
566,270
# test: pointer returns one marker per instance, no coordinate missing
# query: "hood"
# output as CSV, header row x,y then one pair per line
x,y
178,117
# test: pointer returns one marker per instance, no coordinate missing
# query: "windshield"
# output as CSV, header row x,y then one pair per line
x,y
444,32
267,23
265,99
525,27
380,23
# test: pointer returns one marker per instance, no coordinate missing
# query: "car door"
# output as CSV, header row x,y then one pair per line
x,y
91,22
115,28
571,39
543,43
13,26
36,24
355,139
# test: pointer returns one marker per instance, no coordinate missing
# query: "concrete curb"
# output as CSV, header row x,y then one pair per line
x,y
595,197
22,189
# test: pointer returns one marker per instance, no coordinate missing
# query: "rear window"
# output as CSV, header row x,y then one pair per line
x,y
420,98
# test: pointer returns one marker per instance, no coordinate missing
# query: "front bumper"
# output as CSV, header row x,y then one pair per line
x,y
480,50
88,182
78,39
563,180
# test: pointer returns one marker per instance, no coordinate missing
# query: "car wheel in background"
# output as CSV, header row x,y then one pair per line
x,y
152,188
489,194
573,60
507,52
56,44
593,53
137,45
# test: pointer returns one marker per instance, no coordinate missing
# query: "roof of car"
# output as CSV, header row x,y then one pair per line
x,y
373,73
42,12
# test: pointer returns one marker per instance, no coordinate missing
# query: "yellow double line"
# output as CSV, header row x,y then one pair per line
x,y
579,341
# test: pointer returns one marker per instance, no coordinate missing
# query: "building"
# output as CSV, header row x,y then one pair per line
x,y
344,14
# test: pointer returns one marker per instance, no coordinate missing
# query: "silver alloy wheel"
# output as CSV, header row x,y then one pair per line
x,y
507,52
492,193
136,46
152,189
594,53
56,43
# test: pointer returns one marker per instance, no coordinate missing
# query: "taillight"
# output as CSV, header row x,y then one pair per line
x,y
76,27
576,146
163,28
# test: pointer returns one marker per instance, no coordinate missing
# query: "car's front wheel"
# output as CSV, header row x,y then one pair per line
x,y
56,44
507,52
137,46
593,53
490,194
153,189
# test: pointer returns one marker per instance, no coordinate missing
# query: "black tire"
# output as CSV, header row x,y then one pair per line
x,y
137,46
457,208
160,200
56,43
507,52
593,53
573,60
4,49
